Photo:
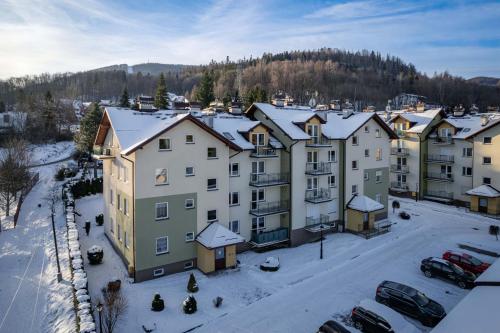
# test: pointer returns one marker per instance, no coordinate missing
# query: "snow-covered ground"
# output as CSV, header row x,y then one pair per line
x,y
48,153
31,300
306,291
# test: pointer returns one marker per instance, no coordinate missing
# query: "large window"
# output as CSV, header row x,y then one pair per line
x,y
258,167
467,171
211,184
234,226
258,139
234,169
467,152
164,144
211,152
161,209
234,198
258,223
119,201
161,176
212,215
162,245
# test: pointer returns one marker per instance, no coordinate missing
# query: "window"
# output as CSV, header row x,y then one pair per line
x,y
189,138
331,181
486,160
378,197
378,176
188,265
161,177
234,169
354,165
377,133
119,231
332,156
211,153
125,206
367,129
258,223
161,210
378,154
125,237
258,139
367,176
234,198
189,171
158,272
487,180
367,152
354,189
164,144
189,236
189,203
234,226
119,201
258,195
111,196
355,141
162,245
111,225
212,215
125,176
466,171
487,140
258,167
467,152
211,184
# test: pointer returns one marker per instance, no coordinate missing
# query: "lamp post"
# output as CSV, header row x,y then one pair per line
x,y
321,241
99,310
59,274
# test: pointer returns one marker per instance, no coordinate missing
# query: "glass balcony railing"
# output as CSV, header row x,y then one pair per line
x,y
269,179
268,208
264,238
318,168
318,195
264,151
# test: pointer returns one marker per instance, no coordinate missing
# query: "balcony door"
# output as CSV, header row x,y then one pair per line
x,y
445,132
446,170
258,139
258,168
257,196
312,185
313,131
401,179
312,159
401,162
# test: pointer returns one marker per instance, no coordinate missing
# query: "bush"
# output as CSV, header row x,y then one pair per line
x,y
59,174
115,285
404,215
217,301
95,255
157,304
189,305
192,286
99,219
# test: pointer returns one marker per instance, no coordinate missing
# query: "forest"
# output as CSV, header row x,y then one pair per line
x,y
365,76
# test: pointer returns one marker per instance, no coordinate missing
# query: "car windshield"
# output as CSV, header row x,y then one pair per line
x,y
474,261
421,299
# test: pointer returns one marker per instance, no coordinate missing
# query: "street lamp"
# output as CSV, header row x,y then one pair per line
x,y
99,310
321,241
59,274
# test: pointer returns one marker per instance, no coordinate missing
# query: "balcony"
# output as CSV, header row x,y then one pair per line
x,y
439,177
316,224
399,186
318,195
266,238
102,153
400,151
268,208
318,168
318,142
401,133
442,140
269,179
399,168
439,194
263,151
447,159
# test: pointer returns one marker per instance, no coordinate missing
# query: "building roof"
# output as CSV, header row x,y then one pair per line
x,y
340,128
418,120
491,276
494,121
216,235
484,191
469,125
364,204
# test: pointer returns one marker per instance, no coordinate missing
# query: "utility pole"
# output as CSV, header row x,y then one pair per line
x,y
321,242
59,275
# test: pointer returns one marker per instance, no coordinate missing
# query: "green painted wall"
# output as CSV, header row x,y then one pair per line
x,y
180,222
371,187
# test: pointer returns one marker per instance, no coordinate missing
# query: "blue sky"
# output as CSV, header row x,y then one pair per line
x,y
39,36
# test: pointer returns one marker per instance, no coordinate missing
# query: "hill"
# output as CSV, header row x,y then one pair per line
x,y
485,81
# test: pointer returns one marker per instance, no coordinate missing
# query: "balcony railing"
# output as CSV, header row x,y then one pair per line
x,y
400,151
399,168
399,186
268,208
101,152
318,168
439,194
264,238
434,176
320,141
400,133
430,158
269,179
263,151
315,224
318,195
442,140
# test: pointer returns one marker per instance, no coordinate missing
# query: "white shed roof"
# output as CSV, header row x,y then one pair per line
x,y
216,235
484,191
364,204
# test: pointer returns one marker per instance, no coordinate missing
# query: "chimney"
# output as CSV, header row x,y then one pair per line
x,y
484,120
347,113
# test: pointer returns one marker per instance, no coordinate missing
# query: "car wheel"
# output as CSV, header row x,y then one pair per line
x,y
358,326
461,284
428,273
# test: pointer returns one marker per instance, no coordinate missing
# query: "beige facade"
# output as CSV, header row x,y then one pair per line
x,y
482,170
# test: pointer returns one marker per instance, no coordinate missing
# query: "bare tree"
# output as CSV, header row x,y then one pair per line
x,y
53,198
114,306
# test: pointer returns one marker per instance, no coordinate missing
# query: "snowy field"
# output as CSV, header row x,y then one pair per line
x,y
306,291
49,153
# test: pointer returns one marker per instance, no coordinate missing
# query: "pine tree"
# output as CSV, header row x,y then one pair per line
x,y
158,304
192,286
88,129
189,305
161,92
205,92
124,103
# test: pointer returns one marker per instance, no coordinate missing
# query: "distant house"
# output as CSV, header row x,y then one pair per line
x,y
12,121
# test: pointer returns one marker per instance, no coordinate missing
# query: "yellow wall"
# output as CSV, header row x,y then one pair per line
x,y
445,125
493,205
355,220
403,121
474,203
230,256
314,121
206,259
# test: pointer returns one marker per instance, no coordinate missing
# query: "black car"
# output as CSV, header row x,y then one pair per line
x,y
448,271
411,302
332,326
367,321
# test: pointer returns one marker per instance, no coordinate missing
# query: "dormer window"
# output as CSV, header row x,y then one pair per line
x,y
258,139
313,132
445,132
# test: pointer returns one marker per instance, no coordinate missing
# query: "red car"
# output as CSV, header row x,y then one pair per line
x,y
466,262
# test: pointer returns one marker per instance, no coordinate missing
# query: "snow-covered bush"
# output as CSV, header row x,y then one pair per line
x,y
192,286
95,255
158,304
189,305
271,264
99,219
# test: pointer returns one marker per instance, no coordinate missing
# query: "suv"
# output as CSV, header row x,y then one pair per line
x,y
332,326
410,301
367,321
446,270
466,262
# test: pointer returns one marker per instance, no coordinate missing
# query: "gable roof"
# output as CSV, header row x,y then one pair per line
x,y
364,204
338,127
484,191
216,235
467,126
418,120
492,123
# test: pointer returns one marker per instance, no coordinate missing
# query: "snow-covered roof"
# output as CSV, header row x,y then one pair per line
x,y
491,276
476,312
484,191
338,127
364,204
418,120
468,125
398,322
216,235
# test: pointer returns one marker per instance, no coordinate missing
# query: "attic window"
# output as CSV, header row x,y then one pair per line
x,y
228,135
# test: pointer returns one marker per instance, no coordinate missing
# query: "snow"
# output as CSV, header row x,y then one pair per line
x,y
49,153
364,204
216,235
491,275
419,120
311,289
338,127
271,262
235,126
95,249
285,117
484,191
468,125
396,320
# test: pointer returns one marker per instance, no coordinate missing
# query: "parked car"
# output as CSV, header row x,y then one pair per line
x,y
368,321
466,262
410,301
437,267
332,326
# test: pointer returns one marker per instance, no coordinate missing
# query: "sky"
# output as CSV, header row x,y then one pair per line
x,y
53,36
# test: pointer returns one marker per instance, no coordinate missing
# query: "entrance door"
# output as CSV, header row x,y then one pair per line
x,y
220,258
483,205
366,221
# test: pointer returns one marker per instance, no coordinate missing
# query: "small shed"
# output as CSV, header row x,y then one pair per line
x,y
361,212
485,199
216,248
